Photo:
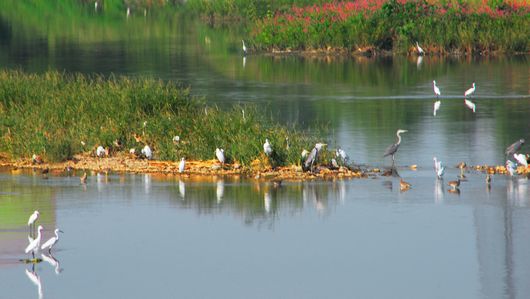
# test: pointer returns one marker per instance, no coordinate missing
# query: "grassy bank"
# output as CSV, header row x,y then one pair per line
x,y
53,114
395,25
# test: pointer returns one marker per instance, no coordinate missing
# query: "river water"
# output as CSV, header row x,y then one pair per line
x,y
134,236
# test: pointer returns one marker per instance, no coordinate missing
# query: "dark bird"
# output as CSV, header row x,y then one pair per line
x,y
516,146
392,149
313,156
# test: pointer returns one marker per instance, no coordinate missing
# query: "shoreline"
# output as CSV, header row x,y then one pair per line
x,y
124,163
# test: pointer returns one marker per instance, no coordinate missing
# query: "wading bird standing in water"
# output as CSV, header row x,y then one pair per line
x,y
244,48
438,103
392,149
470,91
52,241
454,184
439,168
419,49
35,244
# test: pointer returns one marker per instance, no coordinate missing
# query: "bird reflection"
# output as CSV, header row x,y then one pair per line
x,y
388,185
438,190
182,189
35,279
147,183
267,201
517,191
50,259
220,190
244,61
419,61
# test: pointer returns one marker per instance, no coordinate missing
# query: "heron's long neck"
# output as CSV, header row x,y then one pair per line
x,y
57,235
399,138
38,235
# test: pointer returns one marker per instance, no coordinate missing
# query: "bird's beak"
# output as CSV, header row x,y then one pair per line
x,y
61,231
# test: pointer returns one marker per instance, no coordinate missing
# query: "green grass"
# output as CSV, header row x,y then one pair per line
x,y
50,114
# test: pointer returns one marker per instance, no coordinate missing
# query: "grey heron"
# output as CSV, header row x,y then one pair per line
x,y
392,149
313,156
342,156
512,149
470,91
52,241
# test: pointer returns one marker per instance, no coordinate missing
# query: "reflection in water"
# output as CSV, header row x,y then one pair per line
x,y
35,279
50,259
438,190
267,201
147,183
419,61
220,190
182,189
517,191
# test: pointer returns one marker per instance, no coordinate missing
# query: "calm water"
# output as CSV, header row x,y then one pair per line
x,y
136,236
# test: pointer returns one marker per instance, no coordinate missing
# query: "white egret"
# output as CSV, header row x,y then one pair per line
x,y
470,91
220,154
313,156
342,156
470,105
419,49
52,241
128,12
147,152
514,147
521,159
176,139
436,89
439,168
511,167
392,149
334,163
244,48
267,147
182,165
100,151
436,107
31,221
35,244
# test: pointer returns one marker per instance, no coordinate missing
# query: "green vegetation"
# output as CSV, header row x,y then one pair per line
x,y
51,114
395,25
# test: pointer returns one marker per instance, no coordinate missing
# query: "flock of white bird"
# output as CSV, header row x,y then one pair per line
x,y
34,245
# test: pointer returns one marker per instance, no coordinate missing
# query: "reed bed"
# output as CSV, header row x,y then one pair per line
x,y
58,115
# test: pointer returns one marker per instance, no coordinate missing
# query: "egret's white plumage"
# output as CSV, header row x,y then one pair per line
x,y
470,91
436,89
220,190
244,47
304,154
35,244
176,139
182,165
220,154
35,279
100,151
50,259
342,156
182,189
33,217
420,50
521,159
267,147
470,105
436,107
52,241
439,168
147,152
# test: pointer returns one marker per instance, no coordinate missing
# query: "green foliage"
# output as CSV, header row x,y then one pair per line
x,y
51,114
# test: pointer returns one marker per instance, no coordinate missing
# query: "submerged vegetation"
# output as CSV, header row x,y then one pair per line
x,y
395,25
57,115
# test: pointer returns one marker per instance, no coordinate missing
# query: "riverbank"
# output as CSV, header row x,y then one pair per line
x,y
395,26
